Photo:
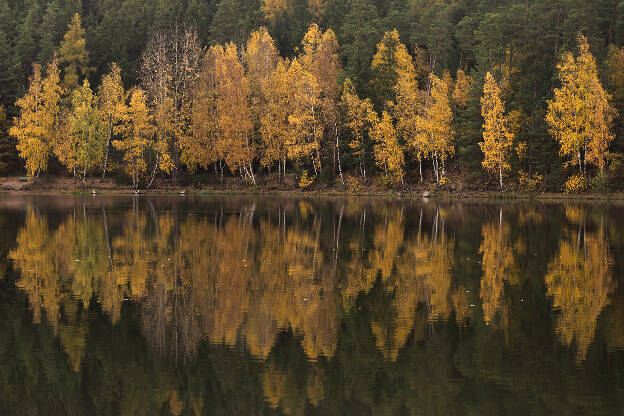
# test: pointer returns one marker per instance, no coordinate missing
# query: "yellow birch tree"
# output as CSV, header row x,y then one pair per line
x,y
137,131
36,126
320,58
235,125
274,124
201,148
111,101
434,125
388,152
497,137
579,115
359,119
83,147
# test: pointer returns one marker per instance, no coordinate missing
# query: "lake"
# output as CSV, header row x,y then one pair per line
x,y
225,305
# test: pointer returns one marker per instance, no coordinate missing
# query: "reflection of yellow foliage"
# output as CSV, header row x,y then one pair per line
x,y
579,281
315,386
498,268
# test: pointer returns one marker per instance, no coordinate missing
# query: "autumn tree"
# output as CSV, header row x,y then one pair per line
x,y
168,71
405,111
260,58
137,135
84,146
388,152
73,55
111,101
320,58
390,62
461,90
434,125
36,126
274,123
235,124
579,115
497,136
304,135
202,147
359,119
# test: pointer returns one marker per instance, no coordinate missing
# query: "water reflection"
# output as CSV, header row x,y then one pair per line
x,y
385,306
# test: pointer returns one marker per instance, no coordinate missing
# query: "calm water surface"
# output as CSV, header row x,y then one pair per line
x,y
244,305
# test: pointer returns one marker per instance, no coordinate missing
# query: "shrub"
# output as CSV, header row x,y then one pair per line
x,y
576,184
305,180
354,185
531,184
600,183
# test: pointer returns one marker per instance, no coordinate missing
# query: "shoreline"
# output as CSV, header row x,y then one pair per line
x,y
65,186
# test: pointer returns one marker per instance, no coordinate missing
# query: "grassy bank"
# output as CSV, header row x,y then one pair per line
x,y
68,186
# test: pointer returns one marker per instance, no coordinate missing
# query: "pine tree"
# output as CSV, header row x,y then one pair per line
x,y
497,137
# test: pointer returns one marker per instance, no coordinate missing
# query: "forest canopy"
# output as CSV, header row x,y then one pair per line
x,y
456,93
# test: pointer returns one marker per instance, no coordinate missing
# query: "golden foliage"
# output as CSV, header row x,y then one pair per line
x,y
498,267
388,152
36,126
73,55
137,131
360,118
497,137
434,125
580,116
580,281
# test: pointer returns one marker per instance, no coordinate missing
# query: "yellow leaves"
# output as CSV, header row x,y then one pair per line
x,y
497,137
274,8
234,114
36,126
202,147
580,116
73,54
304,134
461,92
82,147
360,118
137,130
391,62
434,126
498,267
405,111
388,152
580,281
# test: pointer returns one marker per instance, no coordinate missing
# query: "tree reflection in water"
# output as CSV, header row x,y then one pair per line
x,y
235,305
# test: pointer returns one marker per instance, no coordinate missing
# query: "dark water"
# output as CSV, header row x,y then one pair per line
x,y
242,306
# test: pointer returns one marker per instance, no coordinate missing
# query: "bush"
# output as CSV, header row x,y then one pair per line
x,y
531,184
600,183
305,180
354,185
616,169
576,184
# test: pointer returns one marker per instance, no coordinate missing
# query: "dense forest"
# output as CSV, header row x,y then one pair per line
x,y
457,94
